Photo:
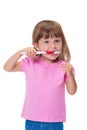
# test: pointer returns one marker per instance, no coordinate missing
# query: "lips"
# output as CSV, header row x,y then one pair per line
x,y
50,52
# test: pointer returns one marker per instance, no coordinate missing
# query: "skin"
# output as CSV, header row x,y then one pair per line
x,y
49,44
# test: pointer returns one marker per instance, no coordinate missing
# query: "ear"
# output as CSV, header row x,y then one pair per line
x,y
36,45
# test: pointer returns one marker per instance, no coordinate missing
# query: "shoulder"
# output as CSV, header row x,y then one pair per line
x,y
29,59
27,62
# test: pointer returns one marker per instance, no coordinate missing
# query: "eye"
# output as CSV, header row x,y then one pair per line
x,y
46,41
57,41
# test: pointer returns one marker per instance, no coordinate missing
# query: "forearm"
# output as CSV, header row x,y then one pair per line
x,y
12,61
71,85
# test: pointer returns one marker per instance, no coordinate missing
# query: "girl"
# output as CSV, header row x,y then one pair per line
x,y
46,75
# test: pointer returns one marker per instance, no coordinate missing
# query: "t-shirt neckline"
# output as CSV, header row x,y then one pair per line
x,y
46,64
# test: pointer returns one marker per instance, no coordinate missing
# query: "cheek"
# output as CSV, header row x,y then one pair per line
x,y
43,47
59,46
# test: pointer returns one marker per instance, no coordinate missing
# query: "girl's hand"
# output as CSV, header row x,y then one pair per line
x,y
67,67
29,51
71,84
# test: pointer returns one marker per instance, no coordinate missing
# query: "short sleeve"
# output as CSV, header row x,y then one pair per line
x,y
66,76
25,62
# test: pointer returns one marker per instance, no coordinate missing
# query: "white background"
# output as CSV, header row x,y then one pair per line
x,y
17,19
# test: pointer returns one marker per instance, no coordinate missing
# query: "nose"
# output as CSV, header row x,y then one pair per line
x,y
53,45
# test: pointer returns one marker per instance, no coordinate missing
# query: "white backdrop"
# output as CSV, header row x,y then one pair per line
x,y
17,19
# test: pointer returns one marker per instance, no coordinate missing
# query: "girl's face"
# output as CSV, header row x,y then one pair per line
x,y
49,44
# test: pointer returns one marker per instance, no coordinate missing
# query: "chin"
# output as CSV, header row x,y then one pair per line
x,y
53,58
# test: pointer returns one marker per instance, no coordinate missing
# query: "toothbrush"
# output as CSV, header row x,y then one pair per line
x,y
43,52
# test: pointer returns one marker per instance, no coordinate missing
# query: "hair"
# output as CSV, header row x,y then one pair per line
x,y
50,28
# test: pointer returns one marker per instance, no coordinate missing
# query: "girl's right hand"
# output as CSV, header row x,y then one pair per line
x,y
12,64
29,51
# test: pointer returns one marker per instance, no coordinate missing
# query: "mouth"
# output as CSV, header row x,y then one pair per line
x,y
53,52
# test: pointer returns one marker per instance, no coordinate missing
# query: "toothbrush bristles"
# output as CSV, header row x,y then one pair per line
x,y
52,52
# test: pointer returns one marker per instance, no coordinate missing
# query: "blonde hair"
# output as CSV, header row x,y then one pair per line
x,y
50,28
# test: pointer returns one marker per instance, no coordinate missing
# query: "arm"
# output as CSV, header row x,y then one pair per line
x,y
13,64
71,84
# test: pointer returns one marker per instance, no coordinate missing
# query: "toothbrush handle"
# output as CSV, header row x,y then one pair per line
x,y
57,52
41,52
37,53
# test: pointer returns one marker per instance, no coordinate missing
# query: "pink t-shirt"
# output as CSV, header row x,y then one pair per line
x,y
45,90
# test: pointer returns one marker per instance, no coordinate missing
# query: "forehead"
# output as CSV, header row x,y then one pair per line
x,y
50,31
46,30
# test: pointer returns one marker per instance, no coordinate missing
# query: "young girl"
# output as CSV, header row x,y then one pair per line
x,y
47,74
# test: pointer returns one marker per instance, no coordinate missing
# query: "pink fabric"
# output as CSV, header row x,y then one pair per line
x,y
45,90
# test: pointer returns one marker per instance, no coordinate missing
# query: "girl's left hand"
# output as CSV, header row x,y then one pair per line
x,y
67,67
